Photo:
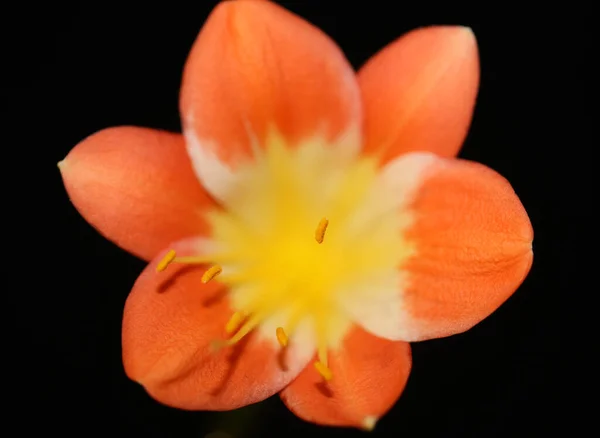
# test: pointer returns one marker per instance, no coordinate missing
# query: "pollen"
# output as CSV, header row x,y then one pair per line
x,y
166,261
320,231
211,273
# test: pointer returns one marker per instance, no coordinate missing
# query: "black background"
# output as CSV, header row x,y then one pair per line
x,y
79,68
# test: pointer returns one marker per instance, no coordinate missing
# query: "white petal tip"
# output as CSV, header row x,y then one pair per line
x,y
369,423
468,33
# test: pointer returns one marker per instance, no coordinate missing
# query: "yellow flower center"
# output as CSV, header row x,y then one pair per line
x,y
306,233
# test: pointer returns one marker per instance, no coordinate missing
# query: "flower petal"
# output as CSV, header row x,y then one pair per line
x,y
369,374
256,68
170,323
419,92
471,242
136,187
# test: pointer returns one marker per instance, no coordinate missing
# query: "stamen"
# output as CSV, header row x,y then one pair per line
x,y
321,364
166,261
281,337
234,322
322,354
233,325
211,273
323,370
245,329
320,231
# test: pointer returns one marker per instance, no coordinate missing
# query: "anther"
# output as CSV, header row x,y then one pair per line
x,y
281,337
166,261
320,231
211,273
234,322
323,370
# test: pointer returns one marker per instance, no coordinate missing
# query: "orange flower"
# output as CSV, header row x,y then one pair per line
x,y
332,224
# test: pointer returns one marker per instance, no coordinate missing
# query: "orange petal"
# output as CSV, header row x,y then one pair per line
x,y
170,323
137,187
472,243
256,67
369,374
419,92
